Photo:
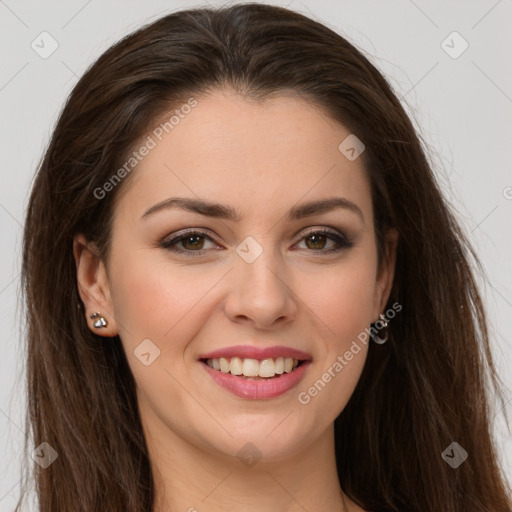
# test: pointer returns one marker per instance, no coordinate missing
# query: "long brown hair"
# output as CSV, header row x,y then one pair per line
x,y
429,386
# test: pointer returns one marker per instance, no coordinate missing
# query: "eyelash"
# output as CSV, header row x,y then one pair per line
x,y
341,241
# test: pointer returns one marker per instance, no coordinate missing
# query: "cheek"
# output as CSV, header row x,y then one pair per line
x,y
168,306
341,298
153,300
342,313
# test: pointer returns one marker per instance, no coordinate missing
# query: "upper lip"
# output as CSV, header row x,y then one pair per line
x,y
252,352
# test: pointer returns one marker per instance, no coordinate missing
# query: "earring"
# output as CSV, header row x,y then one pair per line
x,y
380,339
101,322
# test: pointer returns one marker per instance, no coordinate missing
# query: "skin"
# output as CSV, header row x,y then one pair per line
x,y
260,159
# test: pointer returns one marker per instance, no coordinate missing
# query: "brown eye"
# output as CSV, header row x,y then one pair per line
x,y
192,243
317,241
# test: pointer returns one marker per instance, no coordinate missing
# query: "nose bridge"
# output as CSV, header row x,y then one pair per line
x,y
260,291
259,265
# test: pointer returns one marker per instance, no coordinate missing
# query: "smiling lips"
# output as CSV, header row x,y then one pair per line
x,y
253,372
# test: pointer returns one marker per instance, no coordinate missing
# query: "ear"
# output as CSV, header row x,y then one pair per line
x,y
93,286
385,273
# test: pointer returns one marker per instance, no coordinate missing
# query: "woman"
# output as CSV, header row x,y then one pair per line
x,y
245,289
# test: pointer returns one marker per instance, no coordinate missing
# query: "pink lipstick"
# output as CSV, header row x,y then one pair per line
x,y
256,372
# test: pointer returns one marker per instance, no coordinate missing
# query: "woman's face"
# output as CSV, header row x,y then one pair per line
x,y
260,286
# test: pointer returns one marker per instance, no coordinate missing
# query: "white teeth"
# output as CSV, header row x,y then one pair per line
x,y
224,365
267,368
252,367
235,366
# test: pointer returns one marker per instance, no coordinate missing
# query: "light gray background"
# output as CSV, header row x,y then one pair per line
x,y
462,106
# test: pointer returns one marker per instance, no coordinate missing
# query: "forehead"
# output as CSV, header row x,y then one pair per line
x,y
247,154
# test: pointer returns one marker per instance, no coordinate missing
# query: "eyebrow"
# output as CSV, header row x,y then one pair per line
x,y
220,211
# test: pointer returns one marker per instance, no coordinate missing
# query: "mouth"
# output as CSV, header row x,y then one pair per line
x,y
256,372
254,369
256,379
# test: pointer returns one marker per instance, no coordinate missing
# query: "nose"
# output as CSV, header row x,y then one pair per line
x,y
261,292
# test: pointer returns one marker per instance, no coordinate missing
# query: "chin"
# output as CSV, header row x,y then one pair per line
x,y
267,439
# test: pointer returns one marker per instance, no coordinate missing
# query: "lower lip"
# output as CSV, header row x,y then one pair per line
x,y
258,389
